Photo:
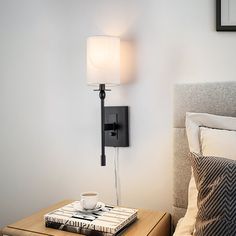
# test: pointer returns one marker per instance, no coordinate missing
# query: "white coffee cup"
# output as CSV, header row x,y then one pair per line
x,y
89,200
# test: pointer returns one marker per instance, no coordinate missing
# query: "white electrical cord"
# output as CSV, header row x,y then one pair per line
x,y
117,178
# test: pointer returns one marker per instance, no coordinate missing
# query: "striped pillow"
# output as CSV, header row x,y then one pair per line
x,y
216,182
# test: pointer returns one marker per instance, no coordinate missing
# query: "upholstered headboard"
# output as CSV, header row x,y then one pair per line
x,y
215,98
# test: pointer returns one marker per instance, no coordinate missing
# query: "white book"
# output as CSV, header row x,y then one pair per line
x,y
109,219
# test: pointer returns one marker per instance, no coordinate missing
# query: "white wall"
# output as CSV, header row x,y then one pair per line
x,y
49,117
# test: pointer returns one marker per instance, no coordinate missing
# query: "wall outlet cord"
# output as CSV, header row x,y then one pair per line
x,y
116,176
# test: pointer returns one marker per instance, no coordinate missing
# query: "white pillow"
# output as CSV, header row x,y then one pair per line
x,y
219,139
196,120
217,142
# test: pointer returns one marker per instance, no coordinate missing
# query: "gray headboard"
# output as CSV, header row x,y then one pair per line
x,y
215,98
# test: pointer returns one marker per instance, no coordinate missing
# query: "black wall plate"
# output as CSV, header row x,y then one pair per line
x,y
120,136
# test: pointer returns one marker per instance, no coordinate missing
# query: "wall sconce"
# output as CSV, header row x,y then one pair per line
x,y
103,69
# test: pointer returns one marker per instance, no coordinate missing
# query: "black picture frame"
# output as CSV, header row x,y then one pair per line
x,y
219,26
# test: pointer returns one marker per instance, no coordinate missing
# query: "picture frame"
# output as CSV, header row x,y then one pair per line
x,y
225,15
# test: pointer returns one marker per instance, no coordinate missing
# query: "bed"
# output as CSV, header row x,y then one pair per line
x,y
216,98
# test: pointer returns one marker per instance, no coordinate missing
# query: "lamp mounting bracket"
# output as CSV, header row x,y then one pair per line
x,y
116,126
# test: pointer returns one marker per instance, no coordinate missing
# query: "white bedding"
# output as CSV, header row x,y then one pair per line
x,y
210,135
185,226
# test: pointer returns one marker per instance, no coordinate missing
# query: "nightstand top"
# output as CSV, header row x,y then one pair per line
x,y
34,225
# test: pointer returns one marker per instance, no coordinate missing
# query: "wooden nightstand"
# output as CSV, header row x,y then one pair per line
x,y
151,223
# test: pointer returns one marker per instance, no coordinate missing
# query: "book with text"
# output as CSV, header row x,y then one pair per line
x,y
108,221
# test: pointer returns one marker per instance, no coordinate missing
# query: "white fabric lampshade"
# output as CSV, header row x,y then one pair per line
x,y
103,60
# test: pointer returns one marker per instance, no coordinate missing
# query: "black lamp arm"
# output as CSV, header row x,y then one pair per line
x,y
102,95
105,127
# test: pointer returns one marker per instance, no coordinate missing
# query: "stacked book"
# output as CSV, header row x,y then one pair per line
x,y
108,221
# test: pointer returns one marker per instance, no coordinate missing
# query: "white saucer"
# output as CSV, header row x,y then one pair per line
x,y
79,208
